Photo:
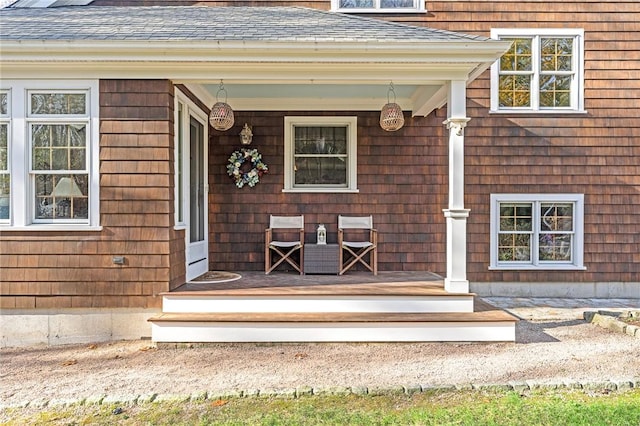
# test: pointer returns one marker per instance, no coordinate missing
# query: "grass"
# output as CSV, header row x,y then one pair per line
x,y
477,408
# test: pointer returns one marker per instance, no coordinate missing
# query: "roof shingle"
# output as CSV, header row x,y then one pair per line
x,y
194,23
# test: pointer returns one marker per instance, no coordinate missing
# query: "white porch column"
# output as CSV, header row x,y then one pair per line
x,y
456,215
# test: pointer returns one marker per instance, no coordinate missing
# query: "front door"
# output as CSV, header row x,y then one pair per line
x,y
191,183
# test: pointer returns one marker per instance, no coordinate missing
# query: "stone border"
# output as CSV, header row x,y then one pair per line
x,y
614,321
306,391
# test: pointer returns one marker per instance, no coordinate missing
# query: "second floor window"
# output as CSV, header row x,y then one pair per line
x,y
542,71
367,6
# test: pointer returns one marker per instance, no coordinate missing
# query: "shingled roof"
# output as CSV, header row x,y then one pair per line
x,y
216,24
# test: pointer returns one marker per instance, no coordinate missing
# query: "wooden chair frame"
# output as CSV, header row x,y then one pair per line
x,y
284,249
356,250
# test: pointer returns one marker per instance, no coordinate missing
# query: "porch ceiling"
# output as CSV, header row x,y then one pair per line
x,y
317,96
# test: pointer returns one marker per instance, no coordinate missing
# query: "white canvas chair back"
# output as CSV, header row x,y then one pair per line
x,y
286,222
352,222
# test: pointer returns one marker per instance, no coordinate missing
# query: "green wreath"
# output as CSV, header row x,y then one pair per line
x,y
245,167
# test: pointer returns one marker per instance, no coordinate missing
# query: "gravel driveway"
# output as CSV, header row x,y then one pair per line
x,y
546,350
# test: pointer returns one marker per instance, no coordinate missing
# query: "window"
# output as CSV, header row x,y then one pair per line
x,y
5,177
542,71
368,6
48,155
320,154
537,231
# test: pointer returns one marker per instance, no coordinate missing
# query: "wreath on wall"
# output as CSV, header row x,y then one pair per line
x,y
245,167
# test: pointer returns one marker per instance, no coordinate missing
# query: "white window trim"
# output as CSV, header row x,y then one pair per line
x,y
578,242
22,218
418,8
352,134
189,109
577,89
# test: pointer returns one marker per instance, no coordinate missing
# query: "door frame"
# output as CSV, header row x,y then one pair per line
x,y
196,255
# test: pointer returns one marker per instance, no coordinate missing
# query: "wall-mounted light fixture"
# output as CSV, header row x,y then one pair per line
x,y
246,135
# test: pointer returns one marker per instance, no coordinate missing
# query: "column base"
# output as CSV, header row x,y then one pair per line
x,y
456,286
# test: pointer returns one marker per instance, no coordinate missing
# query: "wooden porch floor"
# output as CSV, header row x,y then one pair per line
x,y
258,283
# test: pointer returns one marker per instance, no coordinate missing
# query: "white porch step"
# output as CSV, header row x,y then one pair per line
x,y
334,327
318,304
412,297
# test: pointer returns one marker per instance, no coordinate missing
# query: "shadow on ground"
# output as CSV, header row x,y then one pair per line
x,y
534,332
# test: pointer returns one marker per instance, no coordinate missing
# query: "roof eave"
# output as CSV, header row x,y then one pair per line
x,y
251,51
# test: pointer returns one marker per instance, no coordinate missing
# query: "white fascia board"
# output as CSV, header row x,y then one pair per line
x,y
247,72
211,51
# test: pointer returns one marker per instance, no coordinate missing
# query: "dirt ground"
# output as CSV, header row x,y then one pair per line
x,y
546,351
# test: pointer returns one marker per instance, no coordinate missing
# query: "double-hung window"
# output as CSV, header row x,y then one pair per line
x,y
320,154
369,6
537,231
543,71
48,154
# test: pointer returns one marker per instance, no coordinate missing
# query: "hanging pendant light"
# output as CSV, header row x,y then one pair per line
x,y
391,116
221,116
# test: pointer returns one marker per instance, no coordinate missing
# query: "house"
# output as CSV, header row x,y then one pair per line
x,y
516,171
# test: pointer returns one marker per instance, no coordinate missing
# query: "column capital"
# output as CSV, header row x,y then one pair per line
x,y
457,124
456,213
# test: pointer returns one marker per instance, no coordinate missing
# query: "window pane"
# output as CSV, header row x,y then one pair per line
x,y
320,171
5,192
320,155
556,217
4,143
396,4
59,147
555,247
515,217
62,196
556,54
356,3
518,57
58,103
321,140
514,247
515,91
555,91
4,103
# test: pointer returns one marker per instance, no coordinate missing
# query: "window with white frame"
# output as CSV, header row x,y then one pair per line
x,y
543,71
49,138
5,176
368,6
320,154
537,231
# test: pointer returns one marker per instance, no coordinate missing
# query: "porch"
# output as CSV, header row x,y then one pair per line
x,y
356,307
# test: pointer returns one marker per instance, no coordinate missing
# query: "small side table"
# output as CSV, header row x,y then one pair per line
x,y
321,259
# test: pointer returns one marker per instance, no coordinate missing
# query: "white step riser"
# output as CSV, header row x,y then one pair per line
x,y
333,332
218,304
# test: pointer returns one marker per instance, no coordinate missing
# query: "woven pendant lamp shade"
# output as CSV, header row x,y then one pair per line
x,y
391,116
221,116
